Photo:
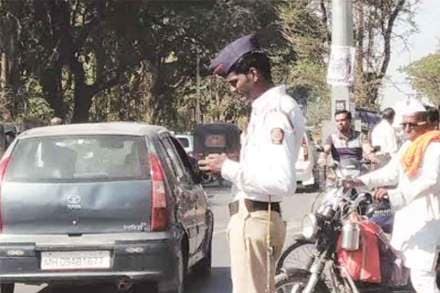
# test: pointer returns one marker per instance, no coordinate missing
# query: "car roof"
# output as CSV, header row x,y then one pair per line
x,y
115,128
183,135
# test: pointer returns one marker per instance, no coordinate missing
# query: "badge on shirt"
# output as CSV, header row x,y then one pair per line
x,y
277,135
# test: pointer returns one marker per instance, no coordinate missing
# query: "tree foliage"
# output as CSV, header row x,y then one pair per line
x,y
375,28
424,75
138,60
302,67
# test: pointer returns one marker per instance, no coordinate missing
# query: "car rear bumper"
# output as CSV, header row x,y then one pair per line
x,y
136,259
81,277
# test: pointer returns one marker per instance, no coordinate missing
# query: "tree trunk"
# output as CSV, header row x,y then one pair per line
x,y
82,93
83,101
3,79
51,82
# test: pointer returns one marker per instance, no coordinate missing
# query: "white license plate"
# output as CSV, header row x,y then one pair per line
x,y
73,260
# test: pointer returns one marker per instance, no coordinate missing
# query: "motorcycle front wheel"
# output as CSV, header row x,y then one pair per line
x,y
295,280
299,255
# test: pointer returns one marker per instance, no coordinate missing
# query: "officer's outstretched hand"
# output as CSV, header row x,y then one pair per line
x,y
212,163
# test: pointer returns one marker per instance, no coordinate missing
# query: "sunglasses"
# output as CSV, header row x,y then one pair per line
x,y
412,125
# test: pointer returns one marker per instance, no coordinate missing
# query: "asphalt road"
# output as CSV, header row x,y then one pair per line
x,y
293,209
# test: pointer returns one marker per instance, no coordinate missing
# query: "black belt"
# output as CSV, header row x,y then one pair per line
x,y
253,206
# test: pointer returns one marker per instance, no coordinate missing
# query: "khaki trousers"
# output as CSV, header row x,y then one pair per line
x,y
247,234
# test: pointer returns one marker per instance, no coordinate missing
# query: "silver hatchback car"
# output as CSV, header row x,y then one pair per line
x,y
112,202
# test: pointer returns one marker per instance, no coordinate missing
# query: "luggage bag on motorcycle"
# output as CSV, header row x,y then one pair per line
x,y
363,264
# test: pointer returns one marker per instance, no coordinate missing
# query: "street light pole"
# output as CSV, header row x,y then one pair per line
x,y
342,56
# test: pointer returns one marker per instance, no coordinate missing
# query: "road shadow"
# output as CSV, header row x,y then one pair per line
x,y
218,282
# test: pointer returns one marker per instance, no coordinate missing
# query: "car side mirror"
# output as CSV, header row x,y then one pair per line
x,y
196,175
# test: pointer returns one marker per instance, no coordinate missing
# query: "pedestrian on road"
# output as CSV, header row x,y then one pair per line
x,y
266,170
433,117
416,172
384,136
345,143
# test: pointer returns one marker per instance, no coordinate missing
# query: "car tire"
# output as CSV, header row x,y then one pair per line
x,y
220,181
7,288
203,267
182,268
143,287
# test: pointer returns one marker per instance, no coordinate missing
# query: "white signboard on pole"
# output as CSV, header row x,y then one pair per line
x,y
341,66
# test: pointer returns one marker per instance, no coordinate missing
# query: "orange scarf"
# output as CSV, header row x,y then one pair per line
x,y
413,156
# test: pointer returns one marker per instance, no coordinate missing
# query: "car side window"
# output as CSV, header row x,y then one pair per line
x,y
185,159
174,160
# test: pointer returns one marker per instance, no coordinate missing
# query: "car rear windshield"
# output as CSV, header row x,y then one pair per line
x,y
79,158
184,141
215,140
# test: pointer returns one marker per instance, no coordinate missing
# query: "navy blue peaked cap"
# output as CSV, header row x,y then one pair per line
x,y
222,64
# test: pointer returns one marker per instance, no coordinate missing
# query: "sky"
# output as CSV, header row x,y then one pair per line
x,y
422,43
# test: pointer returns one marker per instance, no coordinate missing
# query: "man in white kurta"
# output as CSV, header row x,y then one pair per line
x,y
384,135
416,230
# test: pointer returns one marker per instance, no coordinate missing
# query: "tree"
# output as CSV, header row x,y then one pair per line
x,y
125,60
424,75
374,30
301,62
9,59
375,23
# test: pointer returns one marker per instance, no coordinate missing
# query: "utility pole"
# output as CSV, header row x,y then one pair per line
x,y
340,74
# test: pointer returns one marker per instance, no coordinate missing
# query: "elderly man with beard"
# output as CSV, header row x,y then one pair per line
x,y
416,171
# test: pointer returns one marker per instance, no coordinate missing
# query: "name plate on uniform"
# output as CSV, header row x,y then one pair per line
x,y
73,260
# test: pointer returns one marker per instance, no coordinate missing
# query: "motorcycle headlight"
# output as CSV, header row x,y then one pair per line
x,y
309,226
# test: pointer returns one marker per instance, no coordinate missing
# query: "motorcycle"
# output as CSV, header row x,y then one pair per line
x,y
379,211
300,252
327,229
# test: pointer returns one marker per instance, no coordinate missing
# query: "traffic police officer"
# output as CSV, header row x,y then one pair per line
x,y
266,170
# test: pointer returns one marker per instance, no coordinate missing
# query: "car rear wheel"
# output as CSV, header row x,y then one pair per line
x,y
182,268
143,287
7,288
203,267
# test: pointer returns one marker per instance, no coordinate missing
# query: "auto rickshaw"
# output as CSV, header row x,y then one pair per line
x,y
216,138
8,132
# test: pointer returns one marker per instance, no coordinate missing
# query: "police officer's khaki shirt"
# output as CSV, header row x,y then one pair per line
x,y
269,149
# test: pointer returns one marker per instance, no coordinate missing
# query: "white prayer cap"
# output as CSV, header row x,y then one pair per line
x,y
412,106
405,107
